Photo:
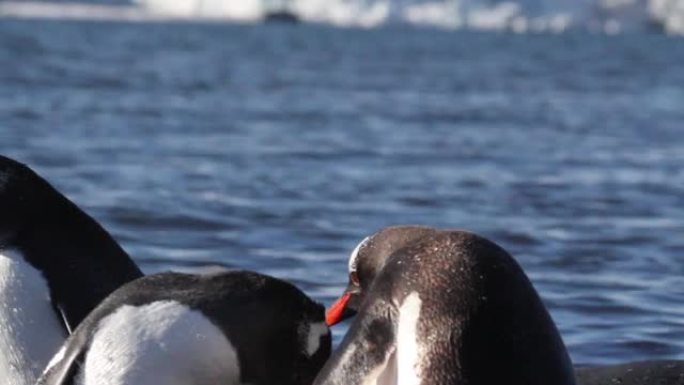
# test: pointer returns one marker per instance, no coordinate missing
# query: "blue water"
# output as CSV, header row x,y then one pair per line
x,y
278,149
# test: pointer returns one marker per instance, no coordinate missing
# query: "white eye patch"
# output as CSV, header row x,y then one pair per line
x,y
353,258
315,332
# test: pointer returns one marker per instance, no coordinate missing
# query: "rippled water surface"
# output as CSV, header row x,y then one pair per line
x,y
279,148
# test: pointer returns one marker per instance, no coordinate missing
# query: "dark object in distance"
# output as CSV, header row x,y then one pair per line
x,y
281,17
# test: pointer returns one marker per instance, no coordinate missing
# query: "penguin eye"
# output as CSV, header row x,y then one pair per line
x,y
354,278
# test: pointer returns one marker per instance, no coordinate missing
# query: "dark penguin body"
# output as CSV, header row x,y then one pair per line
x,y
170,328
635,373
56,265
442,308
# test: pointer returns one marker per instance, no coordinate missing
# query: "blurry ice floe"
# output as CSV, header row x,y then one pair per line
x,y
609,16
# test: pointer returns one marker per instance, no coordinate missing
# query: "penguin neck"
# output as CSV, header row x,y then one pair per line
x,y
30,330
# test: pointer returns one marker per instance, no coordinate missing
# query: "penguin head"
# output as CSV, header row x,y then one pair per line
x,y
281,335
366,262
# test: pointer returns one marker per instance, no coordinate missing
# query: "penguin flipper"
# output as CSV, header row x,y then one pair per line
x,y
62,370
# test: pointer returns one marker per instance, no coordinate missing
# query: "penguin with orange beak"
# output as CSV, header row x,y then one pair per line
x,y
442,307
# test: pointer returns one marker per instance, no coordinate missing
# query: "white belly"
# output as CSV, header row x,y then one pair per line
x,y
30,332
408,348
162,343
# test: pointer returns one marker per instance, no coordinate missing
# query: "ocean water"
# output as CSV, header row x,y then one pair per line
x,y
278,148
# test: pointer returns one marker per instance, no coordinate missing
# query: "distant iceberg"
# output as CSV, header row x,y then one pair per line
x,y
609,16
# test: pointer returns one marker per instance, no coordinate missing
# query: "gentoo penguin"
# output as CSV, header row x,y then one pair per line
x,y
634,373
442,307
226,328
56,264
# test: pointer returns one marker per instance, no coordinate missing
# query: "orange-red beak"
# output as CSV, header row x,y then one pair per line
x,y
335,313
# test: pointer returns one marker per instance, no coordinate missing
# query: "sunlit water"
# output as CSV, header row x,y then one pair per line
x,y
279,148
